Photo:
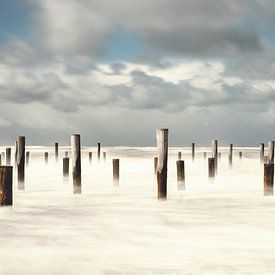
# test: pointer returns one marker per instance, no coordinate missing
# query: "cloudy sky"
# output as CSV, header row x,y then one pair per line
x,y
115,70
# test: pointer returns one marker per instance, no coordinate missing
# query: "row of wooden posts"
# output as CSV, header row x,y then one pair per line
x,y
160,164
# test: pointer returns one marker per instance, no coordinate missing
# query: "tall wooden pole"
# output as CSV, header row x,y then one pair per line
x,y
8,156
211,168
193,151
180,175
5,185
271,151
56,151
15,152
21,162
215,153
90,157
98,151
46,156
262,152
76,163
65,168
116,171
230,157
155,165
162,146
268,179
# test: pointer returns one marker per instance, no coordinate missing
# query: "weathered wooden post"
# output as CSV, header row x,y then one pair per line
x,y
271,151
215,153
8,156
98,151
193,151
179,155
65,168
268,179
155,165
104,156
5,185
262,152
76,163
116,171
230,156
46,156
204,155
240,155
211,168
15,152
27,157
66,154
180,174
162,145
56,151
90,156
21,162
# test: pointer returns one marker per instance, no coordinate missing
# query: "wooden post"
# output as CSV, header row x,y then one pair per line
x,y
262,152
8,156
66,154
162,144
21,163
193,151
46,155
90,156
76,163
56,151
204,155
181,174
0,160
5,185
230,157
65,167
271,151
98,151
215,153
240,155
104,156
155,165
116,171
266,159
268,179
27,157
15,152
211,168
179,155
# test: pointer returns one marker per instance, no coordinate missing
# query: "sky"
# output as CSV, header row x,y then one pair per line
x,y
115,70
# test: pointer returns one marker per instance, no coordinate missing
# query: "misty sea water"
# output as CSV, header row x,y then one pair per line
x,y
224,227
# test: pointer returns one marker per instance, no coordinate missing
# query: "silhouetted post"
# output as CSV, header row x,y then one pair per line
x,y
76,163
21,163
193,151
65,167
230,157
15,152
8,156
155,164
181,174
211,168
204,155
27,157
215,153
66,154
116,171
56,151
98,151
104,156
162,145
271,151
90,156
262,152
268,179
5,185
240,155
46,155
0,160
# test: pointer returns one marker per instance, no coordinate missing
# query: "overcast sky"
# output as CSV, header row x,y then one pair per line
x,y
115,70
